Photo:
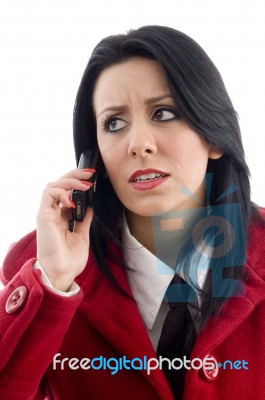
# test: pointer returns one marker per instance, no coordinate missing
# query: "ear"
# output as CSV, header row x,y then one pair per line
x,y
215,153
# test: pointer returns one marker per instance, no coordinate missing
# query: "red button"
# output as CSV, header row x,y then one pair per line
x,y
16,299
210,368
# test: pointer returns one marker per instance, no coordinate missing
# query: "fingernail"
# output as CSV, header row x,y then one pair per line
x,y
87,183
72,203
89,170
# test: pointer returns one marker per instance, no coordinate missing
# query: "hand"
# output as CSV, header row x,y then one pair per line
x,y
63,254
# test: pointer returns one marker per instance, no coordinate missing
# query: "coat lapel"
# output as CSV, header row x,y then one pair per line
x,y
235,311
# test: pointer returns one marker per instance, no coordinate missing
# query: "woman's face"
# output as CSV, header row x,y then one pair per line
x,y
150,154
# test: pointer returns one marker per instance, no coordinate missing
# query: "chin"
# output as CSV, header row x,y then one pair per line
x,y
151,210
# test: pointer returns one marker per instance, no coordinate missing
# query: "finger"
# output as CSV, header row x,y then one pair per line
x,y
70,184
54,197
79,173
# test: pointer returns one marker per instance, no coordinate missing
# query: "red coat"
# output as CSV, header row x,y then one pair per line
x,y
36,324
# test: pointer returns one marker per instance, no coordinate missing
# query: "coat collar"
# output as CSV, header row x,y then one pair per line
x,y
232,315
238,309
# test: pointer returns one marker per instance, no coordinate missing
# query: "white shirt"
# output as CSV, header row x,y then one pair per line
x,y
149,282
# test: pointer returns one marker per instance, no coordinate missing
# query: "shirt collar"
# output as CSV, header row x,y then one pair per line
x,y
150,276
148,280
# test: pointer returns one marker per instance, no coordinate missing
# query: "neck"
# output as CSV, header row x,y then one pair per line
x,y
164,235
141,228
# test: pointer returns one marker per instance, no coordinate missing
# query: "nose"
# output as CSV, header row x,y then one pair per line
x,y
141,143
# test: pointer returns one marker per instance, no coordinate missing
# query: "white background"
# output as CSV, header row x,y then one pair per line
x,y
45,45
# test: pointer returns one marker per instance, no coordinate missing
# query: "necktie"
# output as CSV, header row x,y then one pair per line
x,y
174,342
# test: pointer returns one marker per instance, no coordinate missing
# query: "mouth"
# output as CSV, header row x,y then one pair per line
x,y
147,179
147,175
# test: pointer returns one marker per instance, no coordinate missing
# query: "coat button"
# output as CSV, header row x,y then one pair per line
x,y
210,368
16,299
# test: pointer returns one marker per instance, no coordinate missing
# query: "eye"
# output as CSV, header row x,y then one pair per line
x,y
164,114
112,124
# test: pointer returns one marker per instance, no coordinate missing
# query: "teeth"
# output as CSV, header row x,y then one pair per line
x,y
146,177
152,175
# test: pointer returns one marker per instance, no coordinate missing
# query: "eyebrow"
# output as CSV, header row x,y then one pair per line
x,y
146,102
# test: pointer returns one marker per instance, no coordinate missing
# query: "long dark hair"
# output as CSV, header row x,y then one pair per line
x,y
203,102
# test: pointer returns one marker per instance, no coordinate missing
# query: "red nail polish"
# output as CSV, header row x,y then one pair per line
x,y
87,183
72,203
89,169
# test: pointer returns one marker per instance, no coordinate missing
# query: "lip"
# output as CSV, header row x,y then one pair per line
x,y
146,171
148,184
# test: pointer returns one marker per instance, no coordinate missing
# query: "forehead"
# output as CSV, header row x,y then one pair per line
x,y
136,77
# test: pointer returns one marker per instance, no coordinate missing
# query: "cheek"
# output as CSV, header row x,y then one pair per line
x,y
190,157
106,152
113,155
112,165
191,151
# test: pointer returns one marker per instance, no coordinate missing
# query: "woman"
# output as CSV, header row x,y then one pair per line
x,y
86,313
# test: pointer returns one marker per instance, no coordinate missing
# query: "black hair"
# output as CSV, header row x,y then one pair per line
x,y
204,104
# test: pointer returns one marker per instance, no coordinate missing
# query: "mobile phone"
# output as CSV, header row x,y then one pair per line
x,y
82,200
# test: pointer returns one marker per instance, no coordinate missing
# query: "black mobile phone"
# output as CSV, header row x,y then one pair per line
x,y
82,200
